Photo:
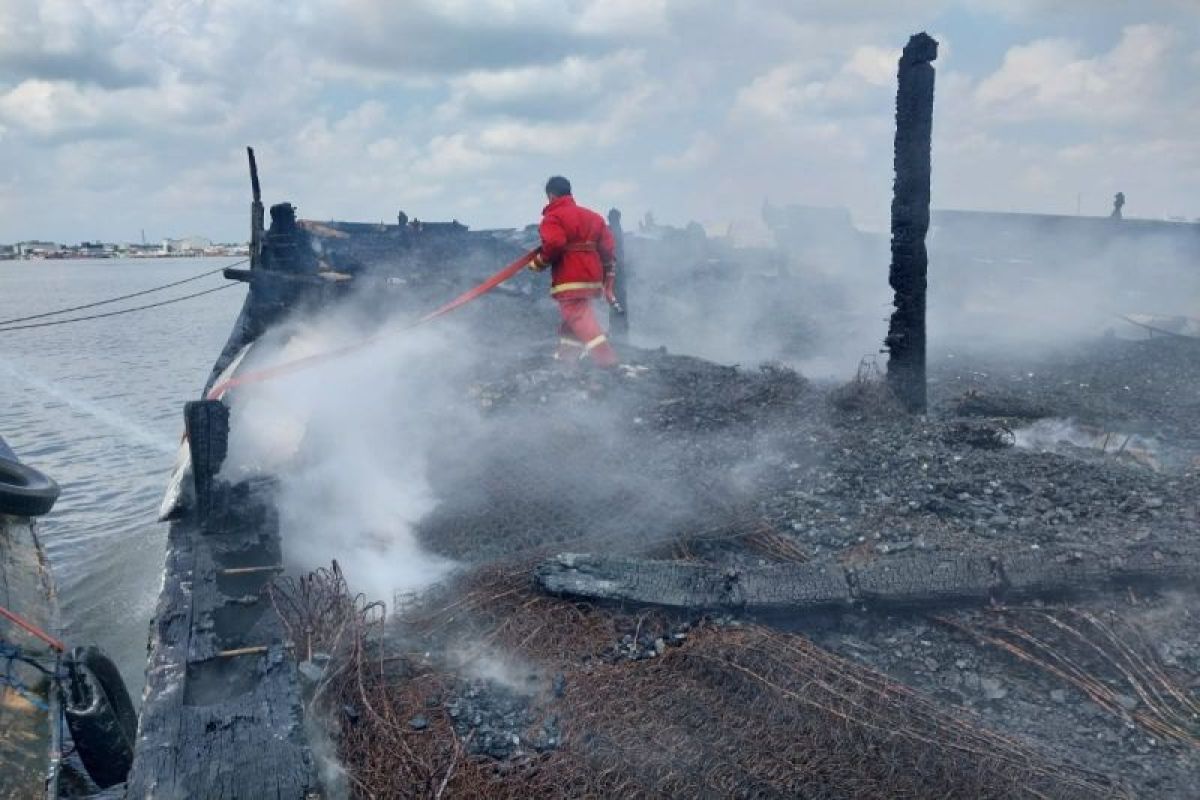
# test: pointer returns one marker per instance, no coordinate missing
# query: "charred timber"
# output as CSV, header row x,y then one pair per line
x,y
910,222
212,725
256,211
929,580
618,317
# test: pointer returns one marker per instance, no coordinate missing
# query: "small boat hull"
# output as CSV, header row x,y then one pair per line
x,y
27,703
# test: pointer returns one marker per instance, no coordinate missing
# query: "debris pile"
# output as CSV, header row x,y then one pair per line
x,y
728,472
737,710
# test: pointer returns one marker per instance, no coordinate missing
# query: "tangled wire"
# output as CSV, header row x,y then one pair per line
x,y
737,711
1093,656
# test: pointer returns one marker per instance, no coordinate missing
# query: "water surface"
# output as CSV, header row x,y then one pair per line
x,y
98,406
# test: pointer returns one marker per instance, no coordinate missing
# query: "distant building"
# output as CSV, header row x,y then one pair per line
x,y
186,245
36,249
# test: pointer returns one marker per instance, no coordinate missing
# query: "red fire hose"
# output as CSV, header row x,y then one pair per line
x,y
29,627
289,367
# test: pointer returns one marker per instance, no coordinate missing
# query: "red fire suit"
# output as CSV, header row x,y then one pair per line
x,y
578,245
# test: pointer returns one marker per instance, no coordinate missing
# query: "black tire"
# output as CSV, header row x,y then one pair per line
x,y
100,716
24,491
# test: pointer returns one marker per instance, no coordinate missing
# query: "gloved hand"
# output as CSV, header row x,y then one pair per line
x,y
610,294
537,263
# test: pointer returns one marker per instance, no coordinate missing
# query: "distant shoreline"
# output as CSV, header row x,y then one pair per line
x,y
126,256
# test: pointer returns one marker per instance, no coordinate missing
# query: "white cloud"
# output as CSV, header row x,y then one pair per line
x,y
875,65
574,85
359,107
452,155
611,191
797,88
701,151
1049,78
628,17
53,108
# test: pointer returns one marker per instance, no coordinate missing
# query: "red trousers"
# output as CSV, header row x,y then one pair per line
x,y
581,335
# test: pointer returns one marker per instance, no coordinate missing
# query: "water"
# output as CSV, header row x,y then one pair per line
x,y
98,406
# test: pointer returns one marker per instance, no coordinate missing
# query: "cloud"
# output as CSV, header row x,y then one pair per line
x,y
55,40
702,150
55,108
611,191
381,39
802,87
624,17
361,107
452,155
875,65
573,86
1049,78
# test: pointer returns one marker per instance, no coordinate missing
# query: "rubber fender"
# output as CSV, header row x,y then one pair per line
x,y
100,716
24,491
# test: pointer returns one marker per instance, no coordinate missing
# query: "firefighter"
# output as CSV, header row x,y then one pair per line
x,y
578,247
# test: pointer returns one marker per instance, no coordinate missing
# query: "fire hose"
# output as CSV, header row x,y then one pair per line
x,y
29,627
289,367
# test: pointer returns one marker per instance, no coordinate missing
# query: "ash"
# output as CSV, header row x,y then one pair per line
x,y
676,457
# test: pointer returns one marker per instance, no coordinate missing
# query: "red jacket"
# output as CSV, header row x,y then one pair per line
x,y
577,243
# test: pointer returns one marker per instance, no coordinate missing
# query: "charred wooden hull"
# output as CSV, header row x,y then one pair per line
x,y
222,713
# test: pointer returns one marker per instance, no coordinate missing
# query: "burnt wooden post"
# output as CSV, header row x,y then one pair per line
x,y
256,212
910,222
618,321
207,425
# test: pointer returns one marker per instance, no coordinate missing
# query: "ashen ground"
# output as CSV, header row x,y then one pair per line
x,y
487,687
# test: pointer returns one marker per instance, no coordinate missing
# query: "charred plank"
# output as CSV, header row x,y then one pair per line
x,y
928,580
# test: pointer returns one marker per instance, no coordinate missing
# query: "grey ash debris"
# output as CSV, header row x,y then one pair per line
x,y
649,641
679,458
674,446
1105,730
666,444
498,721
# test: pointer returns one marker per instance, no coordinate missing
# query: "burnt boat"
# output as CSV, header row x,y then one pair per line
x,y
785,640
222,711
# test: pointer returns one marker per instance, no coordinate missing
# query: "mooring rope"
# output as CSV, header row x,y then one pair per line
x,y
118,313
44,314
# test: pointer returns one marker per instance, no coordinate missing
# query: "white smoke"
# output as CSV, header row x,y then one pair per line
x,y
348,440
820,301
1052,434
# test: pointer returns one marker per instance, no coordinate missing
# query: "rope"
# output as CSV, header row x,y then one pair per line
x,y
117,313
122,297
13,653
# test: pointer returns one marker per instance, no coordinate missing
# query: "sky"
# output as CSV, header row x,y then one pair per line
x,y
124,116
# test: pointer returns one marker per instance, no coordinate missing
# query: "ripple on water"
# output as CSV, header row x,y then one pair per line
x,y
98,407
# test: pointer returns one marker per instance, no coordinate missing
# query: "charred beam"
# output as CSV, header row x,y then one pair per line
x,y
207,425
618,317
926,580
910,222
256,212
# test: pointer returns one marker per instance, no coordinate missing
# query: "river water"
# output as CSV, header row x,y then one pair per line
x,y
98,406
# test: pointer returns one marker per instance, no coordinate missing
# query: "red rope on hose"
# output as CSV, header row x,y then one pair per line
x,y
289,367
57,644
